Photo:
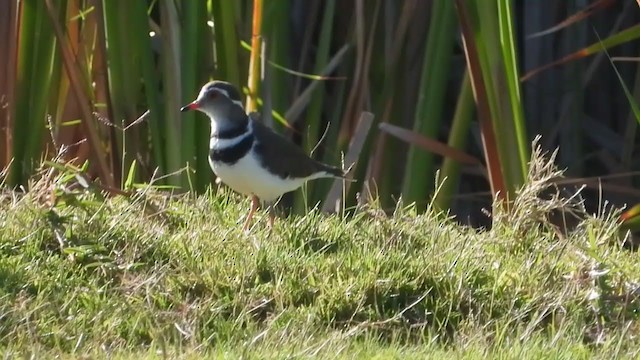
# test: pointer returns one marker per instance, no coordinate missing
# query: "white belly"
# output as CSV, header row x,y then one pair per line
x,y
248,177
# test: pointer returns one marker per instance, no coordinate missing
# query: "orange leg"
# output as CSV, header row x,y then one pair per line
x,y
272,217
255,202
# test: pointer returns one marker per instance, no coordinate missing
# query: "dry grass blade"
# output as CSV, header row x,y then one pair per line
x,y
84,102
577,17
360,83
479,92
331,202
625,36
425,143
396,47
539,197
302,101
266,61
625,58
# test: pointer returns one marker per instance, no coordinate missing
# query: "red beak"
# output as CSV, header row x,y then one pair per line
x,y
194,105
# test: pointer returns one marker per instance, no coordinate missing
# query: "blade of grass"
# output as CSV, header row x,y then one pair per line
x,y
498,188
277,31
511,72
297,107
430,145
35,58
277,65
195,143
8,46
171,75
202,128
162,141
635,109
226,41
115,28
418,177
623,37
574,18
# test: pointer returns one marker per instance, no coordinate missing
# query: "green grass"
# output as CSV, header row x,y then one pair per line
x,y
154,276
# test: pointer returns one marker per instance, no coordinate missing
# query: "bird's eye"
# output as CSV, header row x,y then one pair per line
x,y
212,94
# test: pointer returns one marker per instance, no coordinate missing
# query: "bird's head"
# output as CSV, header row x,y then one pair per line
x,y
217,99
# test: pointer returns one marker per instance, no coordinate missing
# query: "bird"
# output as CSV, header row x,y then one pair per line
x,y
248,156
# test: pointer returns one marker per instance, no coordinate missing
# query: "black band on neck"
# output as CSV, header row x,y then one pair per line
x,y
230,155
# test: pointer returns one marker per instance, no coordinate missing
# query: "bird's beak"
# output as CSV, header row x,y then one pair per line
x,y
193,106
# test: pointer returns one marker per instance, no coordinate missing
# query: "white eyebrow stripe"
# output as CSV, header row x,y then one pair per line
x,y
226,93
223,92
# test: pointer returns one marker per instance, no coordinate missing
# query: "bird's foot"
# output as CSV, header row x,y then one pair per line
x,y
255,202
246,228
272,219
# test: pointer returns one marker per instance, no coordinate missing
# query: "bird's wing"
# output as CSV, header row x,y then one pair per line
x,y
291,159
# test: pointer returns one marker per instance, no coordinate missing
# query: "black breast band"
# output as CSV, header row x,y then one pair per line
x,y
231,154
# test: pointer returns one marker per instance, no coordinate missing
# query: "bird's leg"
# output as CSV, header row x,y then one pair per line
x,y
272,217
255,202
272,213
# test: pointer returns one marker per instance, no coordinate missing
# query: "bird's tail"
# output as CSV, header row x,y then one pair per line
x,y
336,171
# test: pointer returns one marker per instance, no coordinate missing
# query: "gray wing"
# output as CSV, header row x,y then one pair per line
x,y
290,159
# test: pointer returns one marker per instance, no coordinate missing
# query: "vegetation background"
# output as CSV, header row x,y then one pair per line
x,y
437,101
77,75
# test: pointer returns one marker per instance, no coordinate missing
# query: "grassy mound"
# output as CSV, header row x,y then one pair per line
x,y
157,276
